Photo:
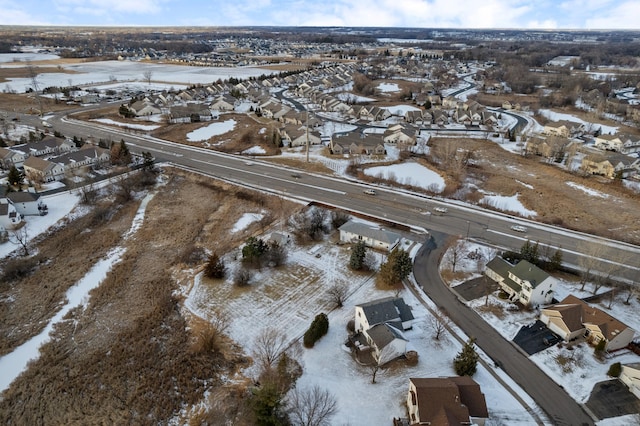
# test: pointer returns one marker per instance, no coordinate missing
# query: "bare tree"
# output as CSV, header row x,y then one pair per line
x,y
455,252
220,320
20,237
32,73
311,407
337,294
269,346
147,75
440,322
591,252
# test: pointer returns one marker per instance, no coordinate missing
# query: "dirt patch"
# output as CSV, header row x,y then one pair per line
x,y
129,357
27,104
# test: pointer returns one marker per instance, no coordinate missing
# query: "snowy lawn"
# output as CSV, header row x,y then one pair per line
x,y
588,191
288,298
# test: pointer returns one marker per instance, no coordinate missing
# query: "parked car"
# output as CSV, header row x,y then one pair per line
x,y
519,228
370,192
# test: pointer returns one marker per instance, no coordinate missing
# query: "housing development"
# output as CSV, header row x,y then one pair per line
x,y
318,226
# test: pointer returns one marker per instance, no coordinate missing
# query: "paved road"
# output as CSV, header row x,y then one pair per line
x,y
393,205
558,405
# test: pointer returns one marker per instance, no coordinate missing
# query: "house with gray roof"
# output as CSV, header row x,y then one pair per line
x,y
377,238
379,327
524,282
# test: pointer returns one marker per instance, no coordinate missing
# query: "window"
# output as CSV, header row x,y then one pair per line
x,y
413,398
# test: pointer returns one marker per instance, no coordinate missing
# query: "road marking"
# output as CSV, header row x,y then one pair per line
x,y
295,181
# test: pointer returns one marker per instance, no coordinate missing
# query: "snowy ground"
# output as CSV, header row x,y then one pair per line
x,y
288,298
115,72
146,127
409,174
388,87
15,362
557,116
213,129
507,204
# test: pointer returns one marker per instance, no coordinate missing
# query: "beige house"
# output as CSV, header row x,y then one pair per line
x,y
630,376
377,238
608,142
446,401
559,128
40,170
573,317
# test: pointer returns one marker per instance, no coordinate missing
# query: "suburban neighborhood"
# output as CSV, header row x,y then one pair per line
x,y
352,228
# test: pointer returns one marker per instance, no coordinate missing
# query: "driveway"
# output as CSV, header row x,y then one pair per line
x,y
559,406
611,399
534,338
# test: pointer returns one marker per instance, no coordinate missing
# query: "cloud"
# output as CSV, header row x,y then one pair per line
x,y
106,7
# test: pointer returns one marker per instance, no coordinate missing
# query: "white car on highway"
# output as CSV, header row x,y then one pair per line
x,y
519,228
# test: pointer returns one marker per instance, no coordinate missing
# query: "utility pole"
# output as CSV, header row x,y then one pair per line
x,y
307,129
34,82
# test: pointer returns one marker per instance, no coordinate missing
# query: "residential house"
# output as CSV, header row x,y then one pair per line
x,y
610,165
88,156
40,170
446,401
524,282
562,128
27,203
358,144
224,103
608,142
390,310
597,325
10,158
9,216
143,109
189,113
630,376
379,325
377,238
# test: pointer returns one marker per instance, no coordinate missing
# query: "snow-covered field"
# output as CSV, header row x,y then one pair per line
x,y
388,87
558,116
287,299
112,72
409,174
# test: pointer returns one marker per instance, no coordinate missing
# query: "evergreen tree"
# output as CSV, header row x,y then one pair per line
x,y
15,176
215,267
319,327
466,362
148,163
397,267
253,250
266,404
358,253
530,252
555,263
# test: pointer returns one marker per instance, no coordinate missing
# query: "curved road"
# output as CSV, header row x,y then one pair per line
x,y
558,405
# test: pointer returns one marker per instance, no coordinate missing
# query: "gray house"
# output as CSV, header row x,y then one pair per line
x,y
372,237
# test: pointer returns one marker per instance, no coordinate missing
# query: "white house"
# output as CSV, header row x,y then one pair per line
x,y
382,322
392,310
630,376
40,170
372,237
9,217
27,203
524,282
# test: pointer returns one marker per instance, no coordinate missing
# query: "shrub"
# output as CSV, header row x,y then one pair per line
x,y
319,327
614,370
215,267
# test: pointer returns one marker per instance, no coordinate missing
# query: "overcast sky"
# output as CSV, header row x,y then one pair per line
x,y
549,14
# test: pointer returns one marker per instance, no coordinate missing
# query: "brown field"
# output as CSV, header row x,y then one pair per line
x,y
23,72
504,173
132,356
27,104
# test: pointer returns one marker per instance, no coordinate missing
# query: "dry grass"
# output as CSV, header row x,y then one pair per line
x,y
131,356
27,104
493,308
503,173
23,72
